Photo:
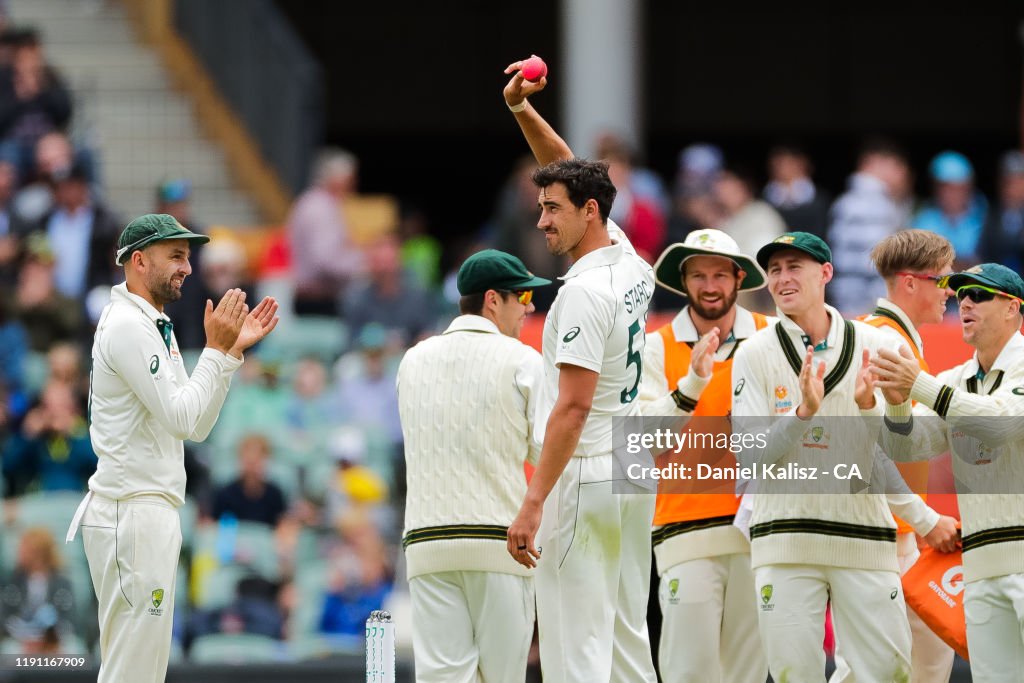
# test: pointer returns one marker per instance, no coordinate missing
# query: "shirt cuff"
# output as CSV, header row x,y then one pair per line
x,y
876,410
933,393
900,412
691,385
226,361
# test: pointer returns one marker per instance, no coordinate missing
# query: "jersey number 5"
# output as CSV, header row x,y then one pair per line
x,y
633,357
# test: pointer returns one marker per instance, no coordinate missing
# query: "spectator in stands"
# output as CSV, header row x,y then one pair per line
x,y
65,367
643,182
10,231
359,580
421,251
311,409
514,225
13,349
255,609
52,451
324,259
368,396
33,101
48,316
790,189
863,216
251,497
86,232
1003,238
748,220
174,197
356,489
956,211
53,157
388,296
638,207
37,599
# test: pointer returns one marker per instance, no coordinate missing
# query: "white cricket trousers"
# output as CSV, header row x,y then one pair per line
x,y
470,627
931,660
868,612
593,579
696,596
132,547
994,611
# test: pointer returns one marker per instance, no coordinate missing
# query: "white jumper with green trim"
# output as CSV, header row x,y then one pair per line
x,y
466,399
832,529
981,426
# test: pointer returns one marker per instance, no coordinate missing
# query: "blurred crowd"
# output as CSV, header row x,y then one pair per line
x,y
293,521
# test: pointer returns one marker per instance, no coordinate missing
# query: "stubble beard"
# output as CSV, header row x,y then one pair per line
x,y
707,314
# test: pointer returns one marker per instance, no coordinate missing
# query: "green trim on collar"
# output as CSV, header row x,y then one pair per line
x,y
795,359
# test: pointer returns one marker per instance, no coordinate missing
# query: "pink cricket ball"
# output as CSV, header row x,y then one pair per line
x,y
534,69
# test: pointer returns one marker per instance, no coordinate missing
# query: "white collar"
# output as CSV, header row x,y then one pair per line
x,y
472,323
796,333
605,256
1009,357
685,331
121,292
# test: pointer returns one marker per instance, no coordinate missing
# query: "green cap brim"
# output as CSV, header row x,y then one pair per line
x,y
668,273
123,256
960,279
765,253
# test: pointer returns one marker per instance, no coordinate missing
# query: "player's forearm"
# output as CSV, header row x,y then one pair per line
x,y
547,145
562,434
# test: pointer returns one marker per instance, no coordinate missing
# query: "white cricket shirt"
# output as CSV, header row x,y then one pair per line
x,y
598,322
143,404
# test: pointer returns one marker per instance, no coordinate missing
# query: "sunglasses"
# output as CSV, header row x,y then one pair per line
x,y
941,281
979,294
524,296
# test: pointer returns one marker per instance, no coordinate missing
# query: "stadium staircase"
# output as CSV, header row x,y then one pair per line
x,y
127,109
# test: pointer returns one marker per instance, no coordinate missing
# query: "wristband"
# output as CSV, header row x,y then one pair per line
x,y
517,108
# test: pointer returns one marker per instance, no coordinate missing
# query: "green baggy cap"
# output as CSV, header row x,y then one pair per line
x,y
812,245
493,269
992,275
150,228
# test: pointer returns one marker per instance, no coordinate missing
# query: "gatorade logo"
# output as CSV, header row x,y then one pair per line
x,y
572,334
953,580
154,365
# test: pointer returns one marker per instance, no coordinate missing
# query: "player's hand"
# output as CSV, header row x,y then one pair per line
x,y
864,392
945,537
224,322
702,360
521,535
812,386
518,89
258,324
895,374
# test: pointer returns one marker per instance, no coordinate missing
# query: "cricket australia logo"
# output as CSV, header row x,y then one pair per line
x,y
766,598
673,590
158,599
786,239
816,434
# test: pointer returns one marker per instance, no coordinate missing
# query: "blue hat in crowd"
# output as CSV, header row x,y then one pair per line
x,y
951,167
